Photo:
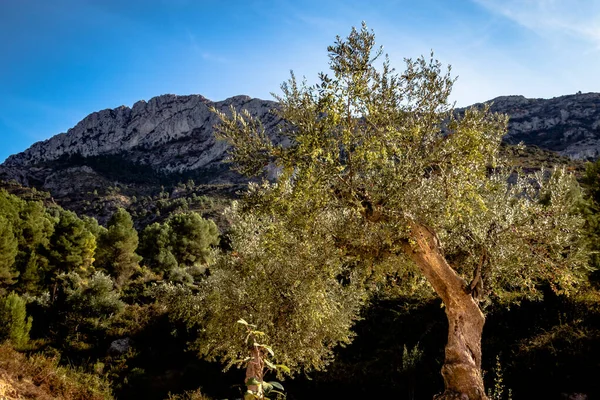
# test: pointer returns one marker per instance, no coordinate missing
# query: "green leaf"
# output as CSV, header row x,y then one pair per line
x,y
283,368
252,382
267,387
277,385
266,347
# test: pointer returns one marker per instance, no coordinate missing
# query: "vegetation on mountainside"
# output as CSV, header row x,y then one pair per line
x,y
87,314
69,275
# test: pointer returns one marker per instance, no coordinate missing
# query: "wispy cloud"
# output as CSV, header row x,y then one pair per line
x,y
319,22
205,55
576,18
213,57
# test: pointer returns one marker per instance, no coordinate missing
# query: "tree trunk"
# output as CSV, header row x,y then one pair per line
x,y
255,369
462,367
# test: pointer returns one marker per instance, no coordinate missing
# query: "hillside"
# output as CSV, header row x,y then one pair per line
x,y
39,377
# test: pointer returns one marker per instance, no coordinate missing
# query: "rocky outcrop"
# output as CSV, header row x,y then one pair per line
x,y
120,346
169,134
568,125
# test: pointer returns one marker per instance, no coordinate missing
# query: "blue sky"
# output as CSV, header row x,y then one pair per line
x,y
63,59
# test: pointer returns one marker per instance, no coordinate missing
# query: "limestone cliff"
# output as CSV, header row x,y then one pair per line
x,y
168,134
568,125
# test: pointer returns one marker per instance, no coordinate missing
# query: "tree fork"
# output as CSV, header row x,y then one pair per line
x,y
462,365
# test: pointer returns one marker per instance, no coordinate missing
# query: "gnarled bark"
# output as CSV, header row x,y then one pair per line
x,y
462,366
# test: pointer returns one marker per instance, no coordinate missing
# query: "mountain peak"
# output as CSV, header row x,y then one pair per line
x,y
146,125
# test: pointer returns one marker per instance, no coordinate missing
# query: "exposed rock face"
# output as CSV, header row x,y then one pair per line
x,y
120,346
174,134
569,125
168,133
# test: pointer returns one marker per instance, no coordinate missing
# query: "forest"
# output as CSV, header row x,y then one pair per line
x,y
399,240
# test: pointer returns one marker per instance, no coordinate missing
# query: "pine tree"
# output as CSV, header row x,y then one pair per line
x,y
71,246
155,247
8,252
117,246
9,236
83,307
36,229
15,323
93,226
191,238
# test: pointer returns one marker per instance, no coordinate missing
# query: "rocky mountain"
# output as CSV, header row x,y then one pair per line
x,y
167,135
120,154
568,125
135,157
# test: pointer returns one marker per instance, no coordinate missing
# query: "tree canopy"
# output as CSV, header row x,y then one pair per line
x,y
8,251
304,312
382,150
71,246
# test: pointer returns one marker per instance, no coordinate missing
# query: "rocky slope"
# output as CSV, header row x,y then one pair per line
x,y
123,153
168,134
568,125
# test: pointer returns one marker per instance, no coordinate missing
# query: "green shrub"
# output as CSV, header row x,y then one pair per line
x,y
497,392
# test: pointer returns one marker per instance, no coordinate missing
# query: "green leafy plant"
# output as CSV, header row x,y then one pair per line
x,y
497,391
256,363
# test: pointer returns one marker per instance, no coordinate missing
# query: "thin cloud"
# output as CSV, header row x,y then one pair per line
x,y
576,18
319,22
205,55
213,57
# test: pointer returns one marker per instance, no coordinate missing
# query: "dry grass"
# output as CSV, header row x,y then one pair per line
x,y
39,377
190,395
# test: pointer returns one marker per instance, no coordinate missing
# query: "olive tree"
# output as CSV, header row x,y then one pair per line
x,y
404,183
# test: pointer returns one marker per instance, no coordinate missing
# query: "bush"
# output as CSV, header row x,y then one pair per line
x,y
83,310
39,377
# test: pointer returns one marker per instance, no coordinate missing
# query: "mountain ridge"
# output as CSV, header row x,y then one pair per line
x,y
169,117
146,125
169,139
568,124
